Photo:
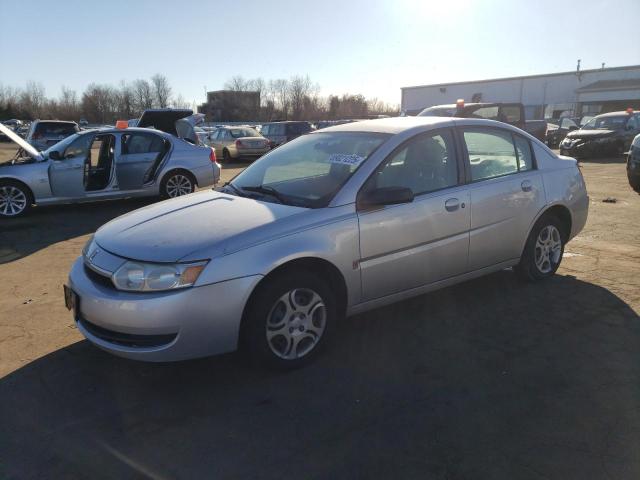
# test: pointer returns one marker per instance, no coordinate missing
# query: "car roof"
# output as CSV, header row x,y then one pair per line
x,y
126,130
617,114
54,121
393,124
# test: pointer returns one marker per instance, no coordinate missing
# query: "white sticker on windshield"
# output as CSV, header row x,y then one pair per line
x,y
346,159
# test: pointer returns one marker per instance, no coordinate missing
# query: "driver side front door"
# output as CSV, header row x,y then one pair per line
x,y
66,176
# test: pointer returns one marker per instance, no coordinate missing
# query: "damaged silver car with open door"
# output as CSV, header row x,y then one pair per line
x,y
107,164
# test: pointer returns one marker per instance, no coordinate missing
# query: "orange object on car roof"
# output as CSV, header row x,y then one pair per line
x,y
122,124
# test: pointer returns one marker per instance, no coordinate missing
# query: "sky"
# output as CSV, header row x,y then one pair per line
x,y
350,46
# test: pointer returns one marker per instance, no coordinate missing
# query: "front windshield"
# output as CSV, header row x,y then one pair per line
x,y
607,123
308,171
243,132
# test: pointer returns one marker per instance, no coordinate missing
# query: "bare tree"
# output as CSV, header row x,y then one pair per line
x,y
299,88
32,99
143,95
68,107
161,90
236,84
280,88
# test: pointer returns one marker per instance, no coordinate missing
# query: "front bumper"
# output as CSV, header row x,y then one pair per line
x,y
588,148
164,326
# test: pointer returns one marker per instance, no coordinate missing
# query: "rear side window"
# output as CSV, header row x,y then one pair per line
x,y
299,128
135,143
490,113
491,153
265,129
510,114
276,129
523,150
54,128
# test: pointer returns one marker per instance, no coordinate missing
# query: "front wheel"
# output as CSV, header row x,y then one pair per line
x,y
177,184
15,199
543,251
289,320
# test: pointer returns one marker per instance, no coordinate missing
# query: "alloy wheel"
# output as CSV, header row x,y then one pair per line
x,y
295,323
178,185
13,200
548,249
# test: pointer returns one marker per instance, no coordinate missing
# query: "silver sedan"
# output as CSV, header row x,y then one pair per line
x,y
334,223
104,164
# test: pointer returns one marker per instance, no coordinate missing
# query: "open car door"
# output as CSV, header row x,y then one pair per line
x,y
140,155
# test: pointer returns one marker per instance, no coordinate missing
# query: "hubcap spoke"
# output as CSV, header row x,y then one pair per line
x,y
179,185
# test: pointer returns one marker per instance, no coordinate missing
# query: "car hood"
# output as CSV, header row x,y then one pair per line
x,y
174,229
22,143
590,134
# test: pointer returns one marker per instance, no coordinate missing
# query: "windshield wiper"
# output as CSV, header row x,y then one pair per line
x,y
265,190
235,189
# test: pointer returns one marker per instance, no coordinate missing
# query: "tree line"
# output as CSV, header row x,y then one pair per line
x,y
296,98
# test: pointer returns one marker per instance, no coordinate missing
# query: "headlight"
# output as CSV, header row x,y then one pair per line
x,y
154,277
88,247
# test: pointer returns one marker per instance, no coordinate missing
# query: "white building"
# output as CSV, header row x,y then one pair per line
x,y
568,93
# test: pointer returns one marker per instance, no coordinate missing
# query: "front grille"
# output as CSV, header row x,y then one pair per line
x,y
127,339
98,278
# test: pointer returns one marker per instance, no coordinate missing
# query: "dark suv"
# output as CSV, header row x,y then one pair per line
x,y
282,132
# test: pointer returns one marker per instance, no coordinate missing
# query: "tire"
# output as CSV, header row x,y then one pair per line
x,y
226,156
543,250
634,183
289,320
15,199
176,184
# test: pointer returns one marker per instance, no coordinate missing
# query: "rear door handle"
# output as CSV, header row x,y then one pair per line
x,y
526,185
452,204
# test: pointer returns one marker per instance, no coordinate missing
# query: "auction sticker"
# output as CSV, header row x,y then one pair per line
x,y
346,159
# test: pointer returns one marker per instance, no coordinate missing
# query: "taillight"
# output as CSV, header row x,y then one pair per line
x,y
212,155
238,143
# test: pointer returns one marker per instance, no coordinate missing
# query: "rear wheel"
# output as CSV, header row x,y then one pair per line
x,y
15,199
176,184
226,156
289,320
543,251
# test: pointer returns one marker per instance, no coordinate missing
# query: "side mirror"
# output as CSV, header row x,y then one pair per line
x,y
385,196
55,155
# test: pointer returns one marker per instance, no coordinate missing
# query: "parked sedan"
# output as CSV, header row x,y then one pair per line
x,y
606,134
104,164
44,133
337,222
238,142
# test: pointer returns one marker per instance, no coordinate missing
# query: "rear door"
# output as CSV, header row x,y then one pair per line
x,y
413,244
506,194
140,154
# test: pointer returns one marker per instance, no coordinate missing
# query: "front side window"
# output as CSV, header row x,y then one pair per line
x,y
425,164
309,170
491,153
78,147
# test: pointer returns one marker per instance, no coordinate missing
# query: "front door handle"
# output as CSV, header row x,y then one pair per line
x,y
526,185
452,204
